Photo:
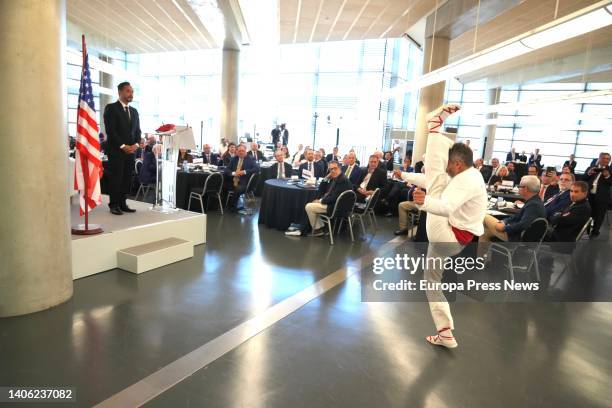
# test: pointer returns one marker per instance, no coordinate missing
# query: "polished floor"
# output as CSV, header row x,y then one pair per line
x,y
334,351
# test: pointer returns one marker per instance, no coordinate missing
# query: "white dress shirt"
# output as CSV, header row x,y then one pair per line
x,y
464,201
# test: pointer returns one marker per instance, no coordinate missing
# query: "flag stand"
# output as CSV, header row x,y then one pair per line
x,y
85,229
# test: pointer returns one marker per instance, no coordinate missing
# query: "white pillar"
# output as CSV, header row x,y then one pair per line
x,y
488,131
229,94
35,256
432,96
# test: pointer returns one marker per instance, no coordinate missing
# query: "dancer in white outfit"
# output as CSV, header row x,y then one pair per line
x,y
456,203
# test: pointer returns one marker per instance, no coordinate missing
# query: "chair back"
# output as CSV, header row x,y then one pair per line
x,y
536,231
344,204
371,202
252,182
584,229
137,167
213,183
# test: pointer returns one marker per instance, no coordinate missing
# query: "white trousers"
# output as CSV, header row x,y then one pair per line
x,y
312,209
442,240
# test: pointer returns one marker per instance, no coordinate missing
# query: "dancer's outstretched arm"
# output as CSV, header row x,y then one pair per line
x,y
414,178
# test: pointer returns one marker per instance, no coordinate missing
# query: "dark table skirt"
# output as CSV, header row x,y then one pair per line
x,y
185,181
283,204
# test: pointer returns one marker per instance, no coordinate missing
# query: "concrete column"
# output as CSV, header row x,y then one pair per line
x,y
229,94
488,131
432,96
106,81
35,255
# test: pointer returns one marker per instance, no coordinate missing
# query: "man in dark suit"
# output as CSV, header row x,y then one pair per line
x,y
512,155
280,169
599,190
238,173
311,168
562,199
330,189
373,178
523,157
352,170
284,134
256,153
333,156
148,170
571,163
123,135
208,157
547,188
511,228
536,158
568,222
318,158
275,135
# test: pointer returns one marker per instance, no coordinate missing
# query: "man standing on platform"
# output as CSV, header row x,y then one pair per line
x,y
284,134
123,135
599,181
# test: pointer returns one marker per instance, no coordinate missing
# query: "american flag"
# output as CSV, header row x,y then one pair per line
x,y
88,166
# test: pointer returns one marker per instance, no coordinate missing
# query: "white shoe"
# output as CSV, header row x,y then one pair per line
x,y
294,233
443,339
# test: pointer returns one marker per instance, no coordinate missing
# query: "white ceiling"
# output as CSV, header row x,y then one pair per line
x,y
142,26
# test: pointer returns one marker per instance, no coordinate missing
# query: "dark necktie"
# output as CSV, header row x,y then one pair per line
x,y
127,112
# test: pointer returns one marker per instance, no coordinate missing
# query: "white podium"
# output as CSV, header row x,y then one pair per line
x,y
181,137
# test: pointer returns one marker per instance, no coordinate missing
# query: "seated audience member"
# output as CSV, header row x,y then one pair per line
x,y
148,171
330,189
511,228
571,163
478,163
566,170
184,156
323,155
237,174
298,156
223,146
512,171
598,178
333,156
209,157
548,188
140,149
404,209
568,222
495,167
502,175
256,153
406,167
356,160
310,168
418,166
512,155
351,170
388,163
375,177
560,200
285,151
536,158
532,171
396,191
281,169
595,162
523,157
229,154
318,158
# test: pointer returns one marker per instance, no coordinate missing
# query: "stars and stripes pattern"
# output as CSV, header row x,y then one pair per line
x,y
88,166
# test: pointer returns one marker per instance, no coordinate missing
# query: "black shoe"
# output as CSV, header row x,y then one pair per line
x,y
116,211
401,231
126,209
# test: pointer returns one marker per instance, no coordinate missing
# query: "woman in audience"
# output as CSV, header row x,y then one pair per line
x,y
502,175
229,153
285,151
184,156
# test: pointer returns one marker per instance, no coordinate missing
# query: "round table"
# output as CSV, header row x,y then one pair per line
x,y
265,173
283,204
185,181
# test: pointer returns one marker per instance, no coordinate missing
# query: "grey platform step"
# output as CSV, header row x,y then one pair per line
x,y
142,258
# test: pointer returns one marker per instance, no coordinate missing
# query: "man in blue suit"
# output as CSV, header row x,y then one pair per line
x,y
352,170
238,173
208,157
562,199
311,168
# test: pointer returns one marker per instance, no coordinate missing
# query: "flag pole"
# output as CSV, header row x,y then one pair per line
x,y
84,229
